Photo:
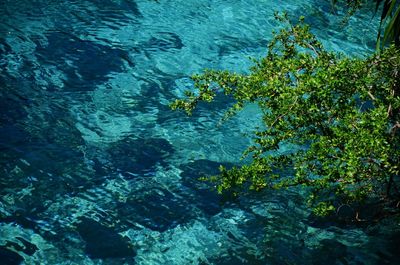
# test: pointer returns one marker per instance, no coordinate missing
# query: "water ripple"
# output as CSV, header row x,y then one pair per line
x,y
95,168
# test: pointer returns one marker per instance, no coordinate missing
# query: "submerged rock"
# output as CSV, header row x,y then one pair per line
x,y
157,209
103,242
201,192
140,156
84,63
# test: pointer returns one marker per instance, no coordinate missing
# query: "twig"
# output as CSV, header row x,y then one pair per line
x,y
372,96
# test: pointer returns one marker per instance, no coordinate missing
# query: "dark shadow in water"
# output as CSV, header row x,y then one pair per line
x,y
202,193
316,17
23,246
12,101
163,41
330,252
103,242
156,209
20,217
394,248
84,63
8,257
238,259
227,45
139,156
5,49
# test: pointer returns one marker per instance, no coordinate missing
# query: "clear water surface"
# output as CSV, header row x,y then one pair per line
x,y
95,168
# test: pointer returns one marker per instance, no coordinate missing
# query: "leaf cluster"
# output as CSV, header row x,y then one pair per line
x,y
341,116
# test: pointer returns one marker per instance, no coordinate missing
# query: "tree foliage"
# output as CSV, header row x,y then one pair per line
x,y
340,114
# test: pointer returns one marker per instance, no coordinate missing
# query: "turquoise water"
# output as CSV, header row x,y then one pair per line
x,y
95,168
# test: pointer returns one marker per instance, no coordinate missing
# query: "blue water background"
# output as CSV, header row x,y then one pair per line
x,y
95,167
